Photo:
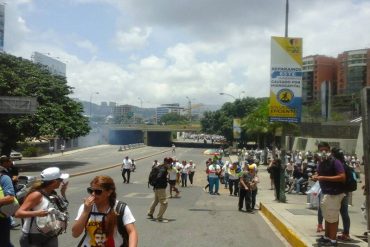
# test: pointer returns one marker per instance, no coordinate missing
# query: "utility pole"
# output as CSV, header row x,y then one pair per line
x,y
286,18
365,109
281,196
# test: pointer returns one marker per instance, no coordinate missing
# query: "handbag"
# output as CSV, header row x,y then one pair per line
x,y
8,209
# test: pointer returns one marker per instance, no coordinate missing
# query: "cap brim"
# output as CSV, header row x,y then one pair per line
x,y
64,176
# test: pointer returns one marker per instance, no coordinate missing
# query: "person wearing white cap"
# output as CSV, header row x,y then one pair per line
x,y
38,203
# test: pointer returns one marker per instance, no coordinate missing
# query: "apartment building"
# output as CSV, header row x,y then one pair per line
x,y
316,70
353,71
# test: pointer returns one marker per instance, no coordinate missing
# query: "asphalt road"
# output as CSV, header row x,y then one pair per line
x,y
195,219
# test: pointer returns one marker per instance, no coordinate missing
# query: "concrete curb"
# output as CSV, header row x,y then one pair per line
x,y
285,231
113,166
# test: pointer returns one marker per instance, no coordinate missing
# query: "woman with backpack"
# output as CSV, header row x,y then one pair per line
x,y
104,219
42,207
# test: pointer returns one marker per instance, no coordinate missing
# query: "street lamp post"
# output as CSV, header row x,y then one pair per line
x,y
91,102
228,95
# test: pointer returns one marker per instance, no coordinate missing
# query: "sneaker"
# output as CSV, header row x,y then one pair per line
x,y
150,216
217,193
162,220
14,225
344,237
319,228
322,241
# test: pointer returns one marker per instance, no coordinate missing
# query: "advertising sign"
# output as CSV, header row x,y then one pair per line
x,y
237,128
286,80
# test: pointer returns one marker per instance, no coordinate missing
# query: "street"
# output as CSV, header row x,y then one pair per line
x,y
195,219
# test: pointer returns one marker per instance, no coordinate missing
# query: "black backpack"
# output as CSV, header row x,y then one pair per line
x,y
153,176
120,210
351,182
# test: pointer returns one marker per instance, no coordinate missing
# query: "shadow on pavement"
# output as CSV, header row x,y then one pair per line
x,y
39,166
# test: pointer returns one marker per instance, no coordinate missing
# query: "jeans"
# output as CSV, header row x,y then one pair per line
x,y
320,218
298,184
191,176
124,171
184,179
214,182
226,179
344,214
234,186
254,195
5,232
245,195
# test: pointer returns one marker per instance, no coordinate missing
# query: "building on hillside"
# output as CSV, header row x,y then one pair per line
x,y
123,110
54,65
316,70
167,108
353,71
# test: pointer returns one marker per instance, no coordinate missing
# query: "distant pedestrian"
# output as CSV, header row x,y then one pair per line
x,y
172,179
184,174
208,162
214,171
245,191
126,169
253,185
226,171
159,188
192,168
173,149
62,147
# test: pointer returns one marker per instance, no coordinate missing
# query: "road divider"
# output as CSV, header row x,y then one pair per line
x,y
115,165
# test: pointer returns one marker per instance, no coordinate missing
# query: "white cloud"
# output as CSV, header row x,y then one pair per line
x,y
88,45
173,49
134,39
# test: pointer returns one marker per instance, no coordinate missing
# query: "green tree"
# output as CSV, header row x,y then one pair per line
x,y
173,118
221,122
57,115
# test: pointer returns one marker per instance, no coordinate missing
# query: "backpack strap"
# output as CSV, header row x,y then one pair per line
x,y
85,233
120,210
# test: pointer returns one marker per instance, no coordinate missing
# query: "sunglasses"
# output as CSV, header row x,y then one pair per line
x,y
96,191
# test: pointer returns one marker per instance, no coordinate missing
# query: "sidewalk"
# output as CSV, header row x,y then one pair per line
x,y
296,222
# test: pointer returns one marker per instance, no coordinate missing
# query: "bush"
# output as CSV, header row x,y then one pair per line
x,y
30,151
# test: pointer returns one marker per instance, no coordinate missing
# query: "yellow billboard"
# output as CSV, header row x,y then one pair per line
x,y
237,128
286,80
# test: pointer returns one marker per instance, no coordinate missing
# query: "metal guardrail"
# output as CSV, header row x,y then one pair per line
x,y
130,146
156,127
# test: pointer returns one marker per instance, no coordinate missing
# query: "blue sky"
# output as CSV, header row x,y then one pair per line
x,y
165,50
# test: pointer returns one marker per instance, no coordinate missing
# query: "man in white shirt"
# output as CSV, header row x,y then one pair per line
x,y
191,166
126,168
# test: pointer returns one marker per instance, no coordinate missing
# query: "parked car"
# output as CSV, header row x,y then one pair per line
x,y
15,155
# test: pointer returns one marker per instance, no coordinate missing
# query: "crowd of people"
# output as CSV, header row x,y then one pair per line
x,y
101,217
239,177
328,168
